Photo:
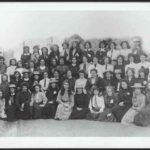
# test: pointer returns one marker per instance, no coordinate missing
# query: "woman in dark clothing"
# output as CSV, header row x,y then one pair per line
x,y
31,68
57,76
81,103
94,81
87,51
120,64
124,101
74,67
51,94
23,99
3,66
75,52
25,57
16,79
108,78
44,55
101,53
111,100
54,53
11,111
4,86
52,67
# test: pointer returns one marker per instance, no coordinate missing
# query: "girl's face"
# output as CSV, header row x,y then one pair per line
x,y
137,90
1,61
87,46
37,89
24,88
12,90
131,59
13,62
109,91
112,46
102,45
4,78
124,85
114,63
74,60
42,62
118,75
69,74
20,64
79,90
26,50
53,85
108,75
129,73
45,75
35,50
93,74
1,93
106,60
44,51
96,92
120,60
66,86
36,77
142,74
124,45
31,64
95,60
64,46
142,58
26,75
74,45
17,75
81,46
55,48
84,59
61,61
56,74
54,62
81,75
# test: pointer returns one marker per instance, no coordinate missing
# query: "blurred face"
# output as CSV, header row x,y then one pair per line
x,y
44,50
81,46
87,46
56,74
20,64
12,90
120,60
74,44
96,92
106,60
4,78
13,62
84,59
1,61
142,58
124,45
35,50
61,61
26,75
129,73
66,86
93,73
142,74
118,75
31,65
109,91
95,60
37,89
42,62
102,45
137,90
131,59
64,46
26,50
45,75
81,75
108,75
114,63
17,75
36,77
24,88
54,62
79,90
1,94
124,85
69,74
74,60
55,48
53,85
112,46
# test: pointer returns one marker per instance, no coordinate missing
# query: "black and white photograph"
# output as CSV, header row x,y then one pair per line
x,y
74,70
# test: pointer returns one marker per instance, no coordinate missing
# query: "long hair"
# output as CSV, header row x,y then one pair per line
x,y
123,61
62,90
10,61
112,43
14,77
121,44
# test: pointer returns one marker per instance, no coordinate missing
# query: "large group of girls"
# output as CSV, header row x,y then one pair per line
x,y
108,84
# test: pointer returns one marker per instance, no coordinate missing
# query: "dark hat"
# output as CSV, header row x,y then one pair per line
x,y
107,72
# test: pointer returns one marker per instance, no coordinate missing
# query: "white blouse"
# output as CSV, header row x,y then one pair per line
x,y
80,82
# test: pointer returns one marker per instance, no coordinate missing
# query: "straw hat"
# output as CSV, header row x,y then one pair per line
x,y
117,71
53,80
12,86
36,73
137,85
25,71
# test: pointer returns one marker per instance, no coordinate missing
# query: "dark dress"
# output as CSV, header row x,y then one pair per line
x,y
75,70
4,86
122,68
51,106
109,82
23,98
53,55
45,59
101,55
62,69
117,85
17,82
11,107
110,103
80,101
89,54
125,96
71,82
25,59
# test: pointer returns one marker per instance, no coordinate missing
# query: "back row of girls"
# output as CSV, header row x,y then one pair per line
x,y
105,85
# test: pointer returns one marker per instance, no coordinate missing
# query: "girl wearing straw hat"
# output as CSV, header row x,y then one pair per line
x,y
138,102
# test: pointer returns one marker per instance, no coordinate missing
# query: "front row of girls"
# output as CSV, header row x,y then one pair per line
x,y
129,105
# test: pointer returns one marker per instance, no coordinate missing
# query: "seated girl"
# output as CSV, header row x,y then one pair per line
x,y
138,103
81,102
96,105
65,101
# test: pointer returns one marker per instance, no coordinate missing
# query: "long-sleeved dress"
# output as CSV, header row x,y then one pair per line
x,y
143,117
2,108
23,98
80,109
110,103
96,107
138,103
65,106
38,103
125,96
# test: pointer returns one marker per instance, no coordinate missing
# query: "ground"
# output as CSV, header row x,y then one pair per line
x,y
69,128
